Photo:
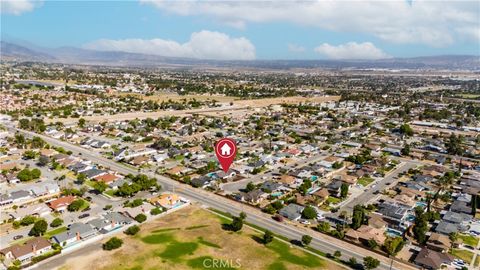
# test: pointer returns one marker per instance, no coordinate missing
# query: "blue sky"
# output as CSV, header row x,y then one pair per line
x,y
250,30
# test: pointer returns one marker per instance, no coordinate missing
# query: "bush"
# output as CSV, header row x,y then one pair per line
x,y
306,240
267,237
132,230
155,211
141,218
309,213
75,205
39,228
113,243
56,222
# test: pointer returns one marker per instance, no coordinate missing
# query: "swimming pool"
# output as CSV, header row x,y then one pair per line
x,y
393,233
421,204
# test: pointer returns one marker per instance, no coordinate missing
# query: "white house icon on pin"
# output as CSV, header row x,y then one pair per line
x,y
225,149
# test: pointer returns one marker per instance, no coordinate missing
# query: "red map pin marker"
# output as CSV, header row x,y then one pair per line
x,y
225,149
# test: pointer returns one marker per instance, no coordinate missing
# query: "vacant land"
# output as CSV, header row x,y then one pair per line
x,y
191,239
238,105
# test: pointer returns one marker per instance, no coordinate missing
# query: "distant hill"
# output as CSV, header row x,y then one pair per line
x,y
10,51
72,55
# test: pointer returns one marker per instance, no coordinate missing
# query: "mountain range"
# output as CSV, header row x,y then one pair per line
x,y
72,55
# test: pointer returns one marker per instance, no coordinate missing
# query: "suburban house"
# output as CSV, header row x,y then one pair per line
x,y
438,242
292,211
75,233
37,210
61,204
166,200
430,259
24,253
366,233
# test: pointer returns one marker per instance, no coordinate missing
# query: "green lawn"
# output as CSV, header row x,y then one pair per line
x,y
365,181
333,200
477,261
465,255
47,235
110,192
55,231
469,240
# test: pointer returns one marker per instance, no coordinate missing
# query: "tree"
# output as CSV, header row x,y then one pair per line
x,y
473,203
29,154
267,237
406,130
81,178
420,227
237,224
28,175
132,230
100,186
323,227
358,217
140,218
372,243
39,228
306,239
393,245
155,211
56,222
113,243
370,263
343,190
337,254
81,122
243,215
75,205
352,262
27,220
453,236
250,186
108,207
406,150
309,212
454,145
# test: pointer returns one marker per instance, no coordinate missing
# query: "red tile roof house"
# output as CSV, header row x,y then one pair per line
x,y
106,178
24,253
61,204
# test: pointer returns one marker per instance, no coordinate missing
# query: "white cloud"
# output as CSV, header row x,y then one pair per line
x,y
295,48
17,7
351,50
435,23
202,45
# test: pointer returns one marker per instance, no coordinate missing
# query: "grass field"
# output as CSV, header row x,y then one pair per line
x,y
465,255
193,238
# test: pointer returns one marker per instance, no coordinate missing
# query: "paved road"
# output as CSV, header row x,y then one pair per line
x,y
256,179
320,242
390,179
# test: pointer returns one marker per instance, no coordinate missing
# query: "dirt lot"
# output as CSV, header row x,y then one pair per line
x,y
190,239
238,107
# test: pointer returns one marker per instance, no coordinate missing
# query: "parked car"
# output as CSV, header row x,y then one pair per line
x,y
278,218
16,237
84,215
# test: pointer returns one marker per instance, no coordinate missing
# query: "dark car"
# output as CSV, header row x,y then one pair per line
x,y
16,237
278,218
84,215
88,198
